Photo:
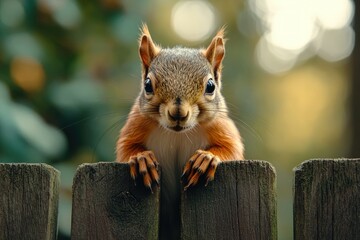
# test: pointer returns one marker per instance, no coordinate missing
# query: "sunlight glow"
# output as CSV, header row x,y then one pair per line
x,y
292,27
330,40
193,20
273,59
334,13
292,31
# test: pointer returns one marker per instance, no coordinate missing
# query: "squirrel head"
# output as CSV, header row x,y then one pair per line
x,y
181,86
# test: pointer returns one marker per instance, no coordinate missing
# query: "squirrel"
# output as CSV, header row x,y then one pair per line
x,y
179,121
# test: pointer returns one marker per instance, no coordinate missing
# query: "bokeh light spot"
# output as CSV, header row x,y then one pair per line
x,y
45,138
28,74
336,44
292,31
273,59
293,28
334,13
22,44
193,20
11,12
67,14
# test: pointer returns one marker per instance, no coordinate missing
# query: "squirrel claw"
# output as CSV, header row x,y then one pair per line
x,y
202,163
150,188
187,168
146,165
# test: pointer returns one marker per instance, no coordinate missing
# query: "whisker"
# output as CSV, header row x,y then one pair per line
x,y
153,109
237,120
112,127
89,118
188,136
252,130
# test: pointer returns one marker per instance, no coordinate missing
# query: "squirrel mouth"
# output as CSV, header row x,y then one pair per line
x,y
179,128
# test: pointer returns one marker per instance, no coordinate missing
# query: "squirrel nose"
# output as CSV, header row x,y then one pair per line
x,y
178,117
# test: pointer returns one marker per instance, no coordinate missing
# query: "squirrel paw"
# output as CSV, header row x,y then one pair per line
x,y
202,163
145,164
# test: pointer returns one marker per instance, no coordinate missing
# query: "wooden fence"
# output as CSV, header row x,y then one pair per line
x,y
239,204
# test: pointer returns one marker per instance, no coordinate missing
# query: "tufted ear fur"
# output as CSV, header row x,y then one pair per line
x,y
215,52
147,49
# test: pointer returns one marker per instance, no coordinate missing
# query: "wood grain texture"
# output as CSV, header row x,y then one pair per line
x,y
28,201
238,204
108,205
327,199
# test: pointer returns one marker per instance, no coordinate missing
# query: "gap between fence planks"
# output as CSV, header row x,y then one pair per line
x,y
28,201
239,204
327,199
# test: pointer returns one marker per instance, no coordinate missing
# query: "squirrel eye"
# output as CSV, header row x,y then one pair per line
x,y
210,86
148,86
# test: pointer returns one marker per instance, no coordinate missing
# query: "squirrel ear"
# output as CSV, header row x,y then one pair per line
x,y
216,50
147,49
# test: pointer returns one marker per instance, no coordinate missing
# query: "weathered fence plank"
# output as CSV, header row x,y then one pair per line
x,y
28,201
238,204
108,205
327,199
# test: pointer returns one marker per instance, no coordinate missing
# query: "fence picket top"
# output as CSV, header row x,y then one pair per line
x,y
28,201
324,162
327,199
239,204
108,205
25,167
